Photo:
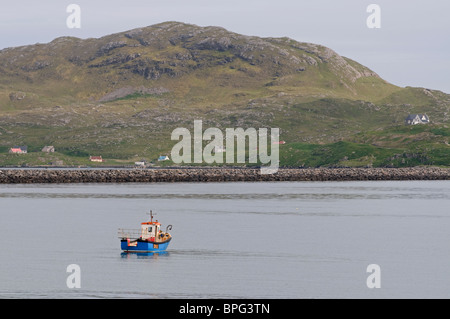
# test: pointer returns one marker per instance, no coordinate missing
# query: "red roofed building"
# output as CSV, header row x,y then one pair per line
x,y
95,159
18,150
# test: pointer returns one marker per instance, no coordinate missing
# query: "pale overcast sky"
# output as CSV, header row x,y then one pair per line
x,y
412,47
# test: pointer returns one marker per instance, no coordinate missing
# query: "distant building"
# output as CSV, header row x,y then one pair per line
x,y
48,149
163,158
18,150
414,119
141,163
96,159
219,149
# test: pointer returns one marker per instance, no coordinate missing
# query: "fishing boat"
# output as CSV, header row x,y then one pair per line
x,y
150,238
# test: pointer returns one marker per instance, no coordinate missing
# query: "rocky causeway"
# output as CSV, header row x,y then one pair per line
x,y
28,176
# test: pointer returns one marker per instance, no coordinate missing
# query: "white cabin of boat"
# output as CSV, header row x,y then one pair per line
x,y
151,231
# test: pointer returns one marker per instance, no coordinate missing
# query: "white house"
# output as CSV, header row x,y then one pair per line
x,y
96,159
140,163
219,149
414,119
48,149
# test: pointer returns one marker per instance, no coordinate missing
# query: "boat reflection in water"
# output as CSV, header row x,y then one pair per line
x,y
144,255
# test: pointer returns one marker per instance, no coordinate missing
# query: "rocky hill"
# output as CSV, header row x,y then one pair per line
x,y
121,95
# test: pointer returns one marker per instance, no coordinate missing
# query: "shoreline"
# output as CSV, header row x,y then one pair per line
x,y
174,175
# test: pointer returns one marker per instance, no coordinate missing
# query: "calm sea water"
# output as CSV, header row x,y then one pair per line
x,y
230,240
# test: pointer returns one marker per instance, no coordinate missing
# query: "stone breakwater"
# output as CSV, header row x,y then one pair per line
x,y
27,176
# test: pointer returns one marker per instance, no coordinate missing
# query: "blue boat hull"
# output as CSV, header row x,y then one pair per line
x,y
144,246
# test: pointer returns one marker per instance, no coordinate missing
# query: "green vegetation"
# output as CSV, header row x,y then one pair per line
x,y
346,154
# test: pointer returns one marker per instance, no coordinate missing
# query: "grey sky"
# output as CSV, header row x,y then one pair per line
x,y
412,47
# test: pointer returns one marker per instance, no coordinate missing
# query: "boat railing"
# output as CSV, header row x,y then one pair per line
x,y
129,233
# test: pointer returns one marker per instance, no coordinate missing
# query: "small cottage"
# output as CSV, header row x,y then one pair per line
x,y
141,163
414,119
219,149
48,149
96,159
18,150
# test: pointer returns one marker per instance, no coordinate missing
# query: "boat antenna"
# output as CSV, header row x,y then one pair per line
x,y
151,216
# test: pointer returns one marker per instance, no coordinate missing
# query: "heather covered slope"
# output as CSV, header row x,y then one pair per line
x,y
120,96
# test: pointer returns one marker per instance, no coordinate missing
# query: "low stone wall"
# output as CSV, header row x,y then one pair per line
x,y
25,176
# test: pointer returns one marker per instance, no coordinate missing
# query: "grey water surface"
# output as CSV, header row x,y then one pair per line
x,y
230,240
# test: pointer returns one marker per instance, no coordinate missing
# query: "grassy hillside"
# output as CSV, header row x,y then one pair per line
x,y
120,96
